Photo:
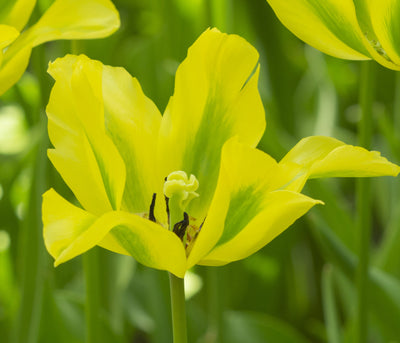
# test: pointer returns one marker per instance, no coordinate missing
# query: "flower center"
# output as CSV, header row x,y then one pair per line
x,y
179,190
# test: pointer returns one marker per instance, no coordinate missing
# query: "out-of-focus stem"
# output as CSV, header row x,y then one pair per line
x,y
363,192
92,304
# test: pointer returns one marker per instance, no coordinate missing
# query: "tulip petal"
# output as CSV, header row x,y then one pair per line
x,y
246,177
215,98
17,13
132,122
254,208
11,73
385,21
70,231
330,25
278,210
378,19
84,155
7,35
329,157
65,19
12,70
74,19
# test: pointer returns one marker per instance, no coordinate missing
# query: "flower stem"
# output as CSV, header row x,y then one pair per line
x,y
363,191
177,290
92,305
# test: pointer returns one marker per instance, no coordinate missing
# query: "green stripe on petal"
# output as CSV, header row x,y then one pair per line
x,y
84,155
330,25
133,122
276,212
70,231
216,97
246,177
329,157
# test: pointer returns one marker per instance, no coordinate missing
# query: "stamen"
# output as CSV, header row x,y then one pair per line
x,y
167,205
180,227
152,205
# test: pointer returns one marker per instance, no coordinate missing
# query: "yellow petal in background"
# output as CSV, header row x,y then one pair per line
x,y
65,19
17,13
74,19
378,19
84,155
330,25
213,85
70,231
12,70
385,16
7,35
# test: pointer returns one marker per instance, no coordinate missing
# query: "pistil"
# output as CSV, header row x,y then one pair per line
x,y
179,191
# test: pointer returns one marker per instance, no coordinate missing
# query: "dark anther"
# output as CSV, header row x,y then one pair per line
x,y
167,205
152,205
180,227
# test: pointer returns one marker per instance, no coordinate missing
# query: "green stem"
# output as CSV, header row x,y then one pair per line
x,y
363,191
215,317
92,305
32,255
177,290
396,109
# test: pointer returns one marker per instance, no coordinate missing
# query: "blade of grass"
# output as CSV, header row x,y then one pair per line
x,y
329,304
384,295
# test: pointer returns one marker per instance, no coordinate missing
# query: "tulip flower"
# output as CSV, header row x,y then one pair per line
x,y
64,19
349,29
188,187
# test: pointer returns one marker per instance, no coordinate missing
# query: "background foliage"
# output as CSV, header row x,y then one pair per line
x,y
299,288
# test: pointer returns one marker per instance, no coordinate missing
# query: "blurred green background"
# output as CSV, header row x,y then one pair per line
x,y
299,288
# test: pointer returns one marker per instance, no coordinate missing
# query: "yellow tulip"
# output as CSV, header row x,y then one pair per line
x,y
65,19
188,187
349,29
